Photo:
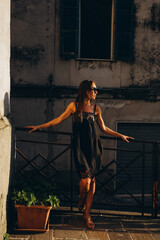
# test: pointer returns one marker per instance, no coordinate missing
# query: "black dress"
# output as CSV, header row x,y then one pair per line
x,y
87,146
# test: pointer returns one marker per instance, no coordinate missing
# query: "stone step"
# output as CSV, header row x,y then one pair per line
x,y
19,237
33,236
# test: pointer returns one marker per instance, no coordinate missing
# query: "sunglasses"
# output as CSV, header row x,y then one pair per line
x,y
94,89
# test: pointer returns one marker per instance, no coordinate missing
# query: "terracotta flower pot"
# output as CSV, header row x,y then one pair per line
x,y
33,217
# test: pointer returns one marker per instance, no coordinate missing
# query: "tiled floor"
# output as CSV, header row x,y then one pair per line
x,y
111,227
108,228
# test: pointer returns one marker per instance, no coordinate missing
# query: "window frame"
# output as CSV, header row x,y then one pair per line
x,y
112,37
122,31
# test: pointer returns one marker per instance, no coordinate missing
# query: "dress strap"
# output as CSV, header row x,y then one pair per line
x,y
94,108
76,105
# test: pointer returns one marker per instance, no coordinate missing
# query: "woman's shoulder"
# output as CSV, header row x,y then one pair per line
x,y
72,106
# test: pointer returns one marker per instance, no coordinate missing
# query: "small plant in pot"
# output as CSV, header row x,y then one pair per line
x,y
33,200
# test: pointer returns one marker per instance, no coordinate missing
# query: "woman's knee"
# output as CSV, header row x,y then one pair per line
x,y
85,184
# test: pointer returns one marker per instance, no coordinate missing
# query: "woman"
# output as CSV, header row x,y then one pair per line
x,y
87,146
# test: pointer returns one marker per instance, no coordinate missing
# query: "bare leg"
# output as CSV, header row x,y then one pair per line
x,y
84,187
89,199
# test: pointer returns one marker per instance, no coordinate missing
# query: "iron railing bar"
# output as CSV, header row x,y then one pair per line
x,y
22,173
122,169
71,174
30,163
114,176
133,140
27,164
21,153
102,185
154,179
60,154
126,150
121,186
103,167
44,175
44,131
127,165
41,169
103,137
43,142
37,170
49,163
121,149
143,176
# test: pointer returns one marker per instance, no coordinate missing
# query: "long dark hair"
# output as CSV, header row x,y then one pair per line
x,y
82,94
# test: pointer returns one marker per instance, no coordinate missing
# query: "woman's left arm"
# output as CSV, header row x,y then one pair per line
x,y
108,130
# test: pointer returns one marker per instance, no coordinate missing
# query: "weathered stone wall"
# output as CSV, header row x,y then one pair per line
x,y
145,71
32,42
36,49
5,127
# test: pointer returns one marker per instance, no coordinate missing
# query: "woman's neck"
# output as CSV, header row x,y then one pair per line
x,y
87,106
86,103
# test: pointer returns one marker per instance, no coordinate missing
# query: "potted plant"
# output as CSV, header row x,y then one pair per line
x,y
33,200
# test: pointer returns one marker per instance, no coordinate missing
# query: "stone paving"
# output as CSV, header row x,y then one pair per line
x,y
108,228
111,227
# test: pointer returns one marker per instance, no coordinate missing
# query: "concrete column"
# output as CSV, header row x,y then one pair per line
x,y
5,127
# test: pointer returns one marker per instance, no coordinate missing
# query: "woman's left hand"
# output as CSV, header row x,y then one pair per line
x,y
125,138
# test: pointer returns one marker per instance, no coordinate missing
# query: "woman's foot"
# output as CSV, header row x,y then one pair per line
x,y
90,224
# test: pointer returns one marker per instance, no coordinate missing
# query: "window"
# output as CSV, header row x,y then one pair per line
x,y
94,29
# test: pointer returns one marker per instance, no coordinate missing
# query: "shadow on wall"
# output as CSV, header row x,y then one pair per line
x,y
6,104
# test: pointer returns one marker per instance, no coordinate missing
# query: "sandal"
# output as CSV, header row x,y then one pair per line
x,y
90,224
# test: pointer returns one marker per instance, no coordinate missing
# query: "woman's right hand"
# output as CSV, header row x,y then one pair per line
x,y
33,128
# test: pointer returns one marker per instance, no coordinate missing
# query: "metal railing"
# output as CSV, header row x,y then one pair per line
x,y
113,177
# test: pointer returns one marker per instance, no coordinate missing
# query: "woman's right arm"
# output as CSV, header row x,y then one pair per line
x,y
69,110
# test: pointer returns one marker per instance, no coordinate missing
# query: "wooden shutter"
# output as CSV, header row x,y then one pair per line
x,y
124,30
69,28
